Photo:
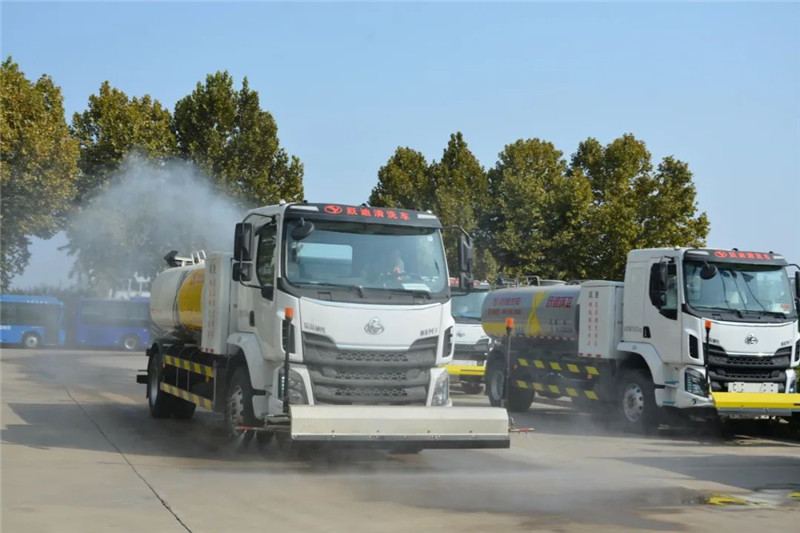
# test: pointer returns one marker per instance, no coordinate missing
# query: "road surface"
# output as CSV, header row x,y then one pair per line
x,y
81,453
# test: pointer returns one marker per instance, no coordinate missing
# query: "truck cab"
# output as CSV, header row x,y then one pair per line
x,y
717,328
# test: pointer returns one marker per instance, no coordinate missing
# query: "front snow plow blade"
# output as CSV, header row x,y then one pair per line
x,y
756,403
403,427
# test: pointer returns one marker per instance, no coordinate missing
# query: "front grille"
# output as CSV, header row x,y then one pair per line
x,y
347,376
724,368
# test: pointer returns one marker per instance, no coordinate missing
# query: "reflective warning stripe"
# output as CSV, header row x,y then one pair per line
x,y
186,395
567,391
197,368
558,367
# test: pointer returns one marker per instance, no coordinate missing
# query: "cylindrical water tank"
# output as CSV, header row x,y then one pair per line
x,y
176,297
539,312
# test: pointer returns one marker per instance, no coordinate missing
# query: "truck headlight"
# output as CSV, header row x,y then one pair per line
x,y
441,390
792,384
297,388
695,383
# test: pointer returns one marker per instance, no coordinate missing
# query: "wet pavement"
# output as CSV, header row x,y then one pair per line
x,y
80,452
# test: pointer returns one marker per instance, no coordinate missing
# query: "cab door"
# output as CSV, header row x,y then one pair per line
x,y
263,318
661,327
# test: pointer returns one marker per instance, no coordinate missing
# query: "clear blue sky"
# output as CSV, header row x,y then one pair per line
x,y
716,85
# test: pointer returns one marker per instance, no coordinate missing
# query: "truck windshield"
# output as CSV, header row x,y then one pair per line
x,y
357,257
466,307
740,289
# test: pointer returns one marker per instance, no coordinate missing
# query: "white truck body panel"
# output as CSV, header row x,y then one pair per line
x,y
217,301
600,319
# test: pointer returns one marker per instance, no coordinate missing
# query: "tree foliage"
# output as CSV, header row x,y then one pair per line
x,y
38,165
633,207
455,188
534,213
231,138
114,125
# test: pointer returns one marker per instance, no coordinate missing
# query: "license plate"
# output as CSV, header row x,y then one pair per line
x,y
740,386
459,362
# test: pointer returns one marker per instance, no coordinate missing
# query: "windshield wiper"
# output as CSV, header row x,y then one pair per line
x,y
417,293
723,309
359,288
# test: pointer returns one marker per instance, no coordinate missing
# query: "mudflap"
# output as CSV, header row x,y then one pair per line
x,y
400,426
755,404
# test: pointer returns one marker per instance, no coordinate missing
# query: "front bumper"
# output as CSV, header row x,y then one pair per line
x,y
756,403
392,426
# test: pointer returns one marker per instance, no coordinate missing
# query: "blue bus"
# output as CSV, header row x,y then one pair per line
x,y
123,324
31,321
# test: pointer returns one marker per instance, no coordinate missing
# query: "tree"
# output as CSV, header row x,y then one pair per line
x,y
536,210
233,140
114,125
404,181
38,165
632,207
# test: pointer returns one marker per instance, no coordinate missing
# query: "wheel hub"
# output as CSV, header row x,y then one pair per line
x,y
633,402
236,410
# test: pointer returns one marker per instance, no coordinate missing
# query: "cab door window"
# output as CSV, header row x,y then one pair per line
x,y
265,258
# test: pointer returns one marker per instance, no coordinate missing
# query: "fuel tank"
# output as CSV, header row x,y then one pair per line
x,y
176,299
539,312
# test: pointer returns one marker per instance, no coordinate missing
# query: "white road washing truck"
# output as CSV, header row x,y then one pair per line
x,y
704,332
471,342
351,303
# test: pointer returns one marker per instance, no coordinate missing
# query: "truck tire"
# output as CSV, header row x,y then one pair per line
x,y
495,380
31,341
239,405
159,402
637,402
130,343
519,400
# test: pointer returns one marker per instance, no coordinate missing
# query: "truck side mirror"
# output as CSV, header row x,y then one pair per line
x,y
243,242
797,284
465,254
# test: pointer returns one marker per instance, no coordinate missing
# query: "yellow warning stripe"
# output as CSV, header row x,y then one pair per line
x,y
567,391
575,369
197,368
188,396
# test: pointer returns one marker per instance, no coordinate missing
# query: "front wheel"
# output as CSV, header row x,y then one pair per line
x,y
239,407
31,341
495,381
637,402
519,400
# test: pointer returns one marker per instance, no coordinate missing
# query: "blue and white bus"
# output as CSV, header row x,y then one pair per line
x,y
123,324
31,321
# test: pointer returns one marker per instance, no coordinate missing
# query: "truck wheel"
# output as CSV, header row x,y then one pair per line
x,y
637,402
30,340
159,402
130,343
239,407
471,387
495,380
519,400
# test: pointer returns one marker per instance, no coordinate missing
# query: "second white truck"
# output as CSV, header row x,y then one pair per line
x,y
704,332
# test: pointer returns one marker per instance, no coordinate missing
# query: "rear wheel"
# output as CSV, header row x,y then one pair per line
x,y
637,402
130,343
159,402
239,407
31,340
